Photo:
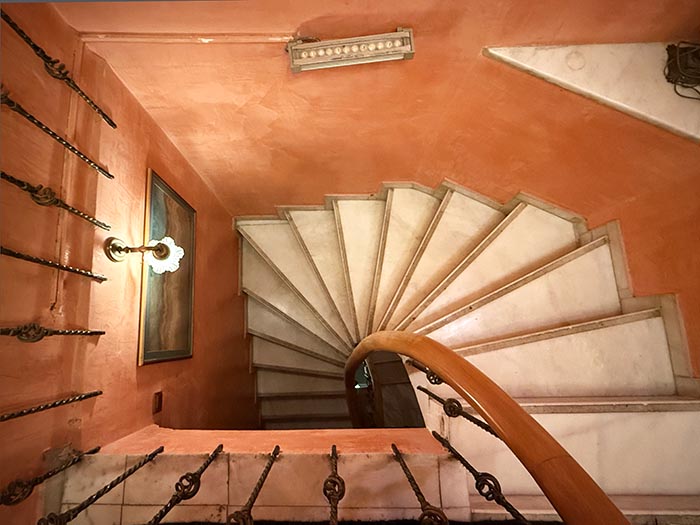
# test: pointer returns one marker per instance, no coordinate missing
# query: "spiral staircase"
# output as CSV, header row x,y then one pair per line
x,y
522,290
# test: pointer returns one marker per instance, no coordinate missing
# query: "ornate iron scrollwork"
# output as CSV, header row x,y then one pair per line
x,y
334,487
52,264
56,68
19,490
430,515
45,196
432,377
33,332
72,513
244,516
453,408
14,106
186,487
47,406
486,484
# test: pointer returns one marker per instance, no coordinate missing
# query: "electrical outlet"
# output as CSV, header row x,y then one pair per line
x,y
157,405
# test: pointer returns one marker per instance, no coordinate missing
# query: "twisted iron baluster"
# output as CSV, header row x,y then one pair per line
x,y
243,516
52,264
453,408
14,106
33,332
45,196
433,378
72,513
55,68
47,406
20,489
430,515
486,484
186,488
334,487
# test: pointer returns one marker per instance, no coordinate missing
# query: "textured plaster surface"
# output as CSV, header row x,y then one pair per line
x,y
211,390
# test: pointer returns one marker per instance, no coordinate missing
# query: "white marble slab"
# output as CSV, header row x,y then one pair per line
x,y
264,321
272,354
628,77
630,359
140,514
273,382
154,483
318,231
276,240
97,514
625,453
582,289
90,475
462,224
410,214
532,239
260,280
361,227
318,405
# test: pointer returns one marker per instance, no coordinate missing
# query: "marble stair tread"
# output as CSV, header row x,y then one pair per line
x,y
524,241
282,406
300,371
268,323
409,213
266,353
318,231
278,382
577,287
459,224
277,243
647,452
317,416
360,230
653,507
260,281
622,359
307,424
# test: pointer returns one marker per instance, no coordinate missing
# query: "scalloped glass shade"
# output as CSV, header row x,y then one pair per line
x,y
171,262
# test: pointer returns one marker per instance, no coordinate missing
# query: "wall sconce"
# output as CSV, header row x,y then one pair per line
x,y
306,54
162,255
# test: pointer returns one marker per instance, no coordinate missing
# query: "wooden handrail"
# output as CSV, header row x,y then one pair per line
x,y
572,492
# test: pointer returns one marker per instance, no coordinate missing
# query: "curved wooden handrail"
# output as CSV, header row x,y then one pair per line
x,y
572,492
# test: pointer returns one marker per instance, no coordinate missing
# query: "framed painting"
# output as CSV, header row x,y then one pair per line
x,y
167,299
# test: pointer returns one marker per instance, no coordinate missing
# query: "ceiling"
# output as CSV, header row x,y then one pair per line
x,y
253,130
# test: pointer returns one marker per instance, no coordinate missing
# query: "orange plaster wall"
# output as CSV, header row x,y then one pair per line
x,y
211,390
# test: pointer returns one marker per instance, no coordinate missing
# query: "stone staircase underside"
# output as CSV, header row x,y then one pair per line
x,y
523,290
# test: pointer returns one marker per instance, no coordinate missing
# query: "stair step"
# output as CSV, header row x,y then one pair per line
x,y
409,213
307,423
267,323
626,355
302,394
630,452
459,224
318,230
360,228
277,243
525,240
279,382
640,510
269,354
281,406
260,281
577,287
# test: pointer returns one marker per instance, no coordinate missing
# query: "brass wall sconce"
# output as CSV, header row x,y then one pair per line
x,y
162,255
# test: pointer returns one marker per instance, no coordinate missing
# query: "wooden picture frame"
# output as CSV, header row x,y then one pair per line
x,y
166,326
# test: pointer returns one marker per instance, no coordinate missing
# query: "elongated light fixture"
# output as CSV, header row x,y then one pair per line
x,y
305,54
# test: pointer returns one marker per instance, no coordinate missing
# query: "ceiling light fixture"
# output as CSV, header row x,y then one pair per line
x,y
162,256
306,55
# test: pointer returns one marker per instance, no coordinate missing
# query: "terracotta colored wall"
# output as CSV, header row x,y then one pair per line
x,y
211,390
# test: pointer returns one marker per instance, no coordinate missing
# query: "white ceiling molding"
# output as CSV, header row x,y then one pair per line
x,y
628,77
